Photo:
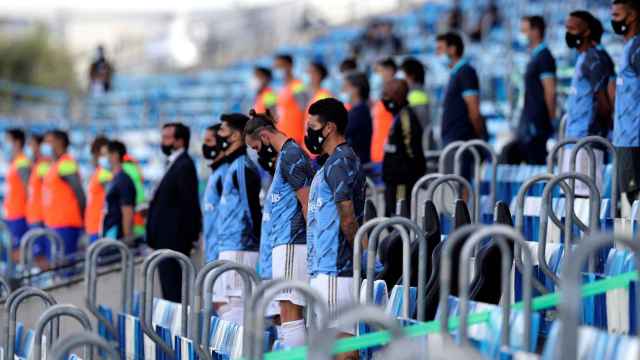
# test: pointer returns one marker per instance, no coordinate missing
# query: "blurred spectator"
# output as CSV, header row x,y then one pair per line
x,y
291,99
359,127
347,66
489,20
17,178
538,113
96,191
174,219
317,74
385,71
121,193
100,73
376,42
455,19
266,98
63,199
404,161
414,74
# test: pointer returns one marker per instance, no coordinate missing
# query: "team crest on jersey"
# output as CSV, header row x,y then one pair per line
x,y
276,197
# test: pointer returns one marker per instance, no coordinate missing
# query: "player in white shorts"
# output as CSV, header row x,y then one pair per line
x,y
336,207
239,220
283,250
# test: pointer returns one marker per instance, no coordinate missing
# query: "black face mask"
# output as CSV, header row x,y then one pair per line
x,y
391,106
620,27
210,152
268,164
314,140
224,143
267,158
167,149
573,41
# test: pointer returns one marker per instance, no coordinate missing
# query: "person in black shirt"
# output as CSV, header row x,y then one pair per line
x,y
538,113
404,161
121,193
360,126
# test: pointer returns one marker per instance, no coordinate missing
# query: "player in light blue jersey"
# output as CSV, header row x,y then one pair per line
x,y
283,240
625,21
336,206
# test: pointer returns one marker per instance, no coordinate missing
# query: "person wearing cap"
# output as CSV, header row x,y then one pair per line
x,y
266,98
283,240
336,208
174,219
292,99
240,214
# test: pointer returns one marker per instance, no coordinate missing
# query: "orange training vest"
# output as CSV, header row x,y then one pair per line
x,y
266,99
60,205
382,121
290,112
34,197
96,193
15,202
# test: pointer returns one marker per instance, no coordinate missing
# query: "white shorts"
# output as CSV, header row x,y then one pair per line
x,y
338,293
289,262
231,280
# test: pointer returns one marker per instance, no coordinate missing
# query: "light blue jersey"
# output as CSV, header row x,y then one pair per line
x,y
210,211
340,179
626,127
234,225
589,78
282,219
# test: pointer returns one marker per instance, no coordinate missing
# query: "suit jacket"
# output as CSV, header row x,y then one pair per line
x,y
174,219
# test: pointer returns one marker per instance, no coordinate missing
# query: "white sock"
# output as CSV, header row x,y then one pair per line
x,y
293,333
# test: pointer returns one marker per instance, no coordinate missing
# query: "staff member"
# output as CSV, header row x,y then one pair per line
x,y
266,98
536,121
418,98
63,198
17,178
291,99
35,216
588,107
120,197
385,71
336,207
131,167
404,161
360,126
96,191
317,74
625,21
283,233
240,214
174,220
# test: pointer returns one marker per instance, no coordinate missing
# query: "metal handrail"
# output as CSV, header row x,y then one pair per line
x,y
54,312
196,301
452,178
26,247
478,176
64,345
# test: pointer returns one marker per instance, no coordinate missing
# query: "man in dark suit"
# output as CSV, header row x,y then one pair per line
x,y
174,219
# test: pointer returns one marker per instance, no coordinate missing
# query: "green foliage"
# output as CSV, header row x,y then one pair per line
x,y
35,59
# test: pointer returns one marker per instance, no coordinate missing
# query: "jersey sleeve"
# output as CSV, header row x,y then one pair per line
x,y
340,176
470,83
634,57
595,71
547,66
127,193
295,168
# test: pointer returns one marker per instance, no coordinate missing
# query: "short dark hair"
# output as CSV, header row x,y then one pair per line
x,y
537,22
348,64
235,121
286,58
214,128
452,39
38,138
182,132
259,121
17,135
634,4
331,110
60,135
264,71
115,146
388,63
98,143
361,82
596,30
321,69
583,15
414,69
